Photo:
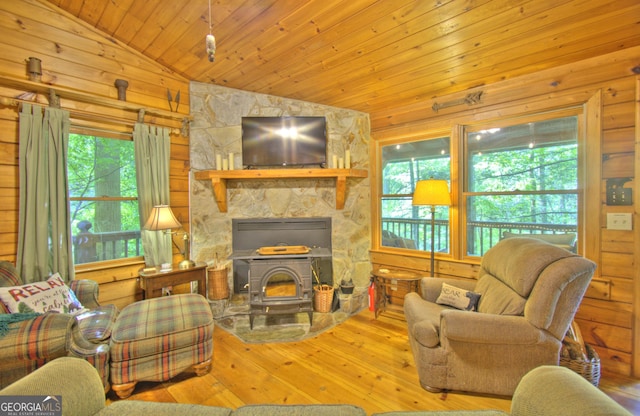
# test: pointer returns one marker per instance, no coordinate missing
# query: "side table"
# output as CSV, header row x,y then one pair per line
x,y
152,282
386,279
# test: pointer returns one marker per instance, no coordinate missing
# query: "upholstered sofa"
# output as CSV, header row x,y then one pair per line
x,y
29,340
548,390
527,294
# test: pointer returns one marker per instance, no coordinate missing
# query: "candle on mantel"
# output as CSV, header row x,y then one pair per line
x,y
341,163
218,161
347,159
231,161
225,164
334,159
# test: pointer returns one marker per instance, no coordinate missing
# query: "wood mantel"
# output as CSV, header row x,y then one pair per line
x,y
219,179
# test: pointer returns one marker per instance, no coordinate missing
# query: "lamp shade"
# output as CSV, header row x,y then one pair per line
x,y
432,192
161,218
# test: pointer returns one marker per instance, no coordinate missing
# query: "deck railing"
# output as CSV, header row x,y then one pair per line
x,y
90,247
481,235
397,232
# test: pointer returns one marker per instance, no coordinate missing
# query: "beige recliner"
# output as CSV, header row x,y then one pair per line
x,y
529,293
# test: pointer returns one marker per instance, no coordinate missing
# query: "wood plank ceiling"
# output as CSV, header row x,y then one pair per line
x,y
372,56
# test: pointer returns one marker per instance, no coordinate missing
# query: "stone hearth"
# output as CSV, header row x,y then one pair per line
x,y
233,316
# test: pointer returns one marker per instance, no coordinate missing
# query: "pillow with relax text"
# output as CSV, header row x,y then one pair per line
x,y
51,295
458,298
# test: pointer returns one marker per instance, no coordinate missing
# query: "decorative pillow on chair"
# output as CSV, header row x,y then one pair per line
x,y
458,298
52,295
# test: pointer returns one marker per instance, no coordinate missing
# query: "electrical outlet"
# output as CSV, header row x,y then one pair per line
x,y
618,221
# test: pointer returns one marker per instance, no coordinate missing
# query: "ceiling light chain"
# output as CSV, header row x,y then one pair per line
x,y
210,40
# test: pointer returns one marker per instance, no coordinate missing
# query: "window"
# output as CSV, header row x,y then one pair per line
x,y
513,177
105,221
403,165
521,179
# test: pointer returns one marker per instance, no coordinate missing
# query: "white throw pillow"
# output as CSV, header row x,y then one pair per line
x,y
458,298
51,295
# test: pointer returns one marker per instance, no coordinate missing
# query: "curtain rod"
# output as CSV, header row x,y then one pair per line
x,y
81,127
93,117
80,96
100,118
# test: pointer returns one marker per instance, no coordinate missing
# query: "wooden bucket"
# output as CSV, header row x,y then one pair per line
x,y
218,284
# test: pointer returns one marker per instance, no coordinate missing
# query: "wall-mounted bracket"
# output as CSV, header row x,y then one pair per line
x,y
54,100
469,99
184,131
122,85
219,179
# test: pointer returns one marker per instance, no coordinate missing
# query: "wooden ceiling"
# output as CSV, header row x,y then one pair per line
x,y
371,56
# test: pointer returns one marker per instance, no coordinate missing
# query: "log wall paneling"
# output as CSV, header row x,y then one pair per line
x,y
635,290
77,57
608,88
620,140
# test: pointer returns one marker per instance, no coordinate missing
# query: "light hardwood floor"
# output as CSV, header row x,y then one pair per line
x,y
364,361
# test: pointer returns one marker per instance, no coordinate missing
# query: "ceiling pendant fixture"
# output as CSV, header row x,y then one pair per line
x,y
211,40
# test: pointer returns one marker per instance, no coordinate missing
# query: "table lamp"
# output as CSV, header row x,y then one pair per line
x,y
432,192
162,219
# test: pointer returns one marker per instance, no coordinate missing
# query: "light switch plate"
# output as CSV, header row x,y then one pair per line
x,y
617,221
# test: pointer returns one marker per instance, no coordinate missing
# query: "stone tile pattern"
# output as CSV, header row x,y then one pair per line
x,y
216,128
232,315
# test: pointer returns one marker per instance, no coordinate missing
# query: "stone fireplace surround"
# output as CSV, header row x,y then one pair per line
x,y
217,113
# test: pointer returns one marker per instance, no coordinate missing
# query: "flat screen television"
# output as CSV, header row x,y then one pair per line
x,y
284,141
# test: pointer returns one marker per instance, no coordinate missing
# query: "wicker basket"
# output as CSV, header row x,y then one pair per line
x,y
589,368
218,284
322,298
579,356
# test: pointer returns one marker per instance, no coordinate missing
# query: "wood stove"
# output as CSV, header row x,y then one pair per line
x,y
280,282
249,234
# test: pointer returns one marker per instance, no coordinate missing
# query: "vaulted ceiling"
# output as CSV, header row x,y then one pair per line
x,y
372,56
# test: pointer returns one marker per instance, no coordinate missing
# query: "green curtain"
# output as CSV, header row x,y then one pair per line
x,y
152,149
44,227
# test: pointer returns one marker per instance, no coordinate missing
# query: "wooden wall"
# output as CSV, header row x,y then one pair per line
x,y
81,64
78,59
608,88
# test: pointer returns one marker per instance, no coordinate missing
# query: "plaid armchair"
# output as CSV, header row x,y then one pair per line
x,y
28,344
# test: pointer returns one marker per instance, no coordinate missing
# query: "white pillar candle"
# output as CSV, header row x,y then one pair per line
x,y
218,161
334,161
347,159
341,163
225,164
231,161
